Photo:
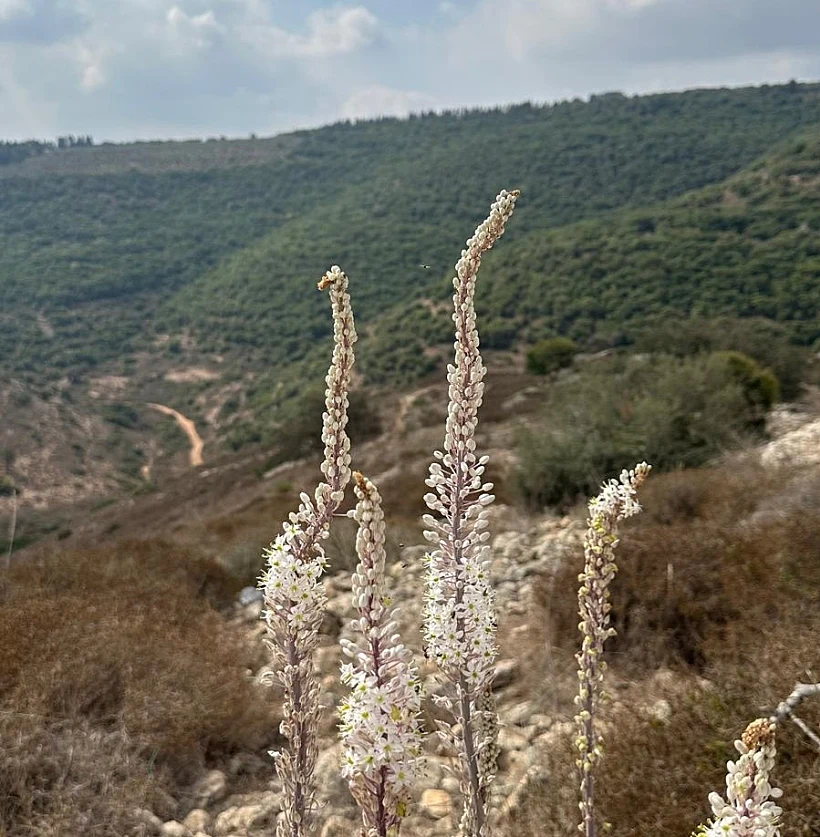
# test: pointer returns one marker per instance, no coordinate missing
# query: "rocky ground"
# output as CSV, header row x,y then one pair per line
x,y
243,800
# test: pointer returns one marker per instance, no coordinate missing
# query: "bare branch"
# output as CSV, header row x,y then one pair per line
x,y
786,708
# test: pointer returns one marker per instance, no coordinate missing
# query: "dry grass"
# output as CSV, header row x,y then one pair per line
x,y
715,552
656,774
736,620
119,680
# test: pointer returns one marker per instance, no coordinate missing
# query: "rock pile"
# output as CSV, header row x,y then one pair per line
x,y
522,557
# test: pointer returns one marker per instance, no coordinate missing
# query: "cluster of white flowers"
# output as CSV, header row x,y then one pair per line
x,y
380,718
615,503
459,615
292,582
293,590
748,809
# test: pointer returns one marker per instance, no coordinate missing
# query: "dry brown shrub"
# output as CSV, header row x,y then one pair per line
x,y
699,568
117,672
656,774
739,612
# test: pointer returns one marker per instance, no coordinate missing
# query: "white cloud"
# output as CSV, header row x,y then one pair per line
x,y
149,68
377,100
636,30
198,31
330,32
13,8
92,72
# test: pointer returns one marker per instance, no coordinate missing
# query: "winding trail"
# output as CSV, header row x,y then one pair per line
x,y
189,428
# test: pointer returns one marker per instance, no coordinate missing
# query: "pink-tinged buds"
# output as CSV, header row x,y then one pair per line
x,y
292,581
459,615
615,503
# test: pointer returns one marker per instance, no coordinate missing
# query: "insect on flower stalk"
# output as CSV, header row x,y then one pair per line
x,y
380,719
293,590
459,616
615,503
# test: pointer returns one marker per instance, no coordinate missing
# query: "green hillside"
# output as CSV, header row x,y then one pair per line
x,y
122,258
219,236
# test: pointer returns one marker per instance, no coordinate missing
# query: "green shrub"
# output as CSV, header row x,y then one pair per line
x,y
764,341
760,386
671,412
122,415
550,355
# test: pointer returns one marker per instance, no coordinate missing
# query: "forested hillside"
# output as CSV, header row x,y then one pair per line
x,y
131,260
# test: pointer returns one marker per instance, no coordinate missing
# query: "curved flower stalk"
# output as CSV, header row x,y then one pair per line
x,y
748,809
615,503
292,585
459,618
380,720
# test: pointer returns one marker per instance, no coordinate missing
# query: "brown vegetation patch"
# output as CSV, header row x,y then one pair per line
x,y
719,581
118,679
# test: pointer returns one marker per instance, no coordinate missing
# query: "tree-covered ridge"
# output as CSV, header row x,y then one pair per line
x,y
745,247
98,258
18,152
411,208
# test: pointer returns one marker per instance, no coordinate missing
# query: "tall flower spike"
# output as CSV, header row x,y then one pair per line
x,y
459,615
292,585
380,720
748,809
615,503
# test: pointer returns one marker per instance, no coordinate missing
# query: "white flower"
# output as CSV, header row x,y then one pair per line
x,y
292,581
615,502
459,613
380,719
748,809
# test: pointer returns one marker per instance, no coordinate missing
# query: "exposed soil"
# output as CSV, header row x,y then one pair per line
x,y
189,428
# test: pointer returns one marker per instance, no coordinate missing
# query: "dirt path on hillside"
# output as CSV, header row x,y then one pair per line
x,y
189,428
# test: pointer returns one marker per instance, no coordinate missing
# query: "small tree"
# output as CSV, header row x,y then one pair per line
x,y
550,355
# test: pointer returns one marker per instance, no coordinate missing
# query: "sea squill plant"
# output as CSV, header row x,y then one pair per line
x,y
292,582
615,503
748,810
459,614
380,718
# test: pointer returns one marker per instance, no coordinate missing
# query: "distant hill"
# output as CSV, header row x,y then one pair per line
x,y
183,273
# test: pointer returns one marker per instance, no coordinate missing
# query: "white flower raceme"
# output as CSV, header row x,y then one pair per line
x,y
748,809
459,617
380,719
292,581
615,503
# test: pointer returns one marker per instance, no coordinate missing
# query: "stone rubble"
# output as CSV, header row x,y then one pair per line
x,y
522,559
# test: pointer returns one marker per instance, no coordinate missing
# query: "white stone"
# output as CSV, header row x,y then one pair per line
x,y
234,819
506,671
211,788
435,803
172,828
197,820
150,822
512,738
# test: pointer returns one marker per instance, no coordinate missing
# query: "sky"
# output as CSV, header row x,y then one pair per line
x,y
143,69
